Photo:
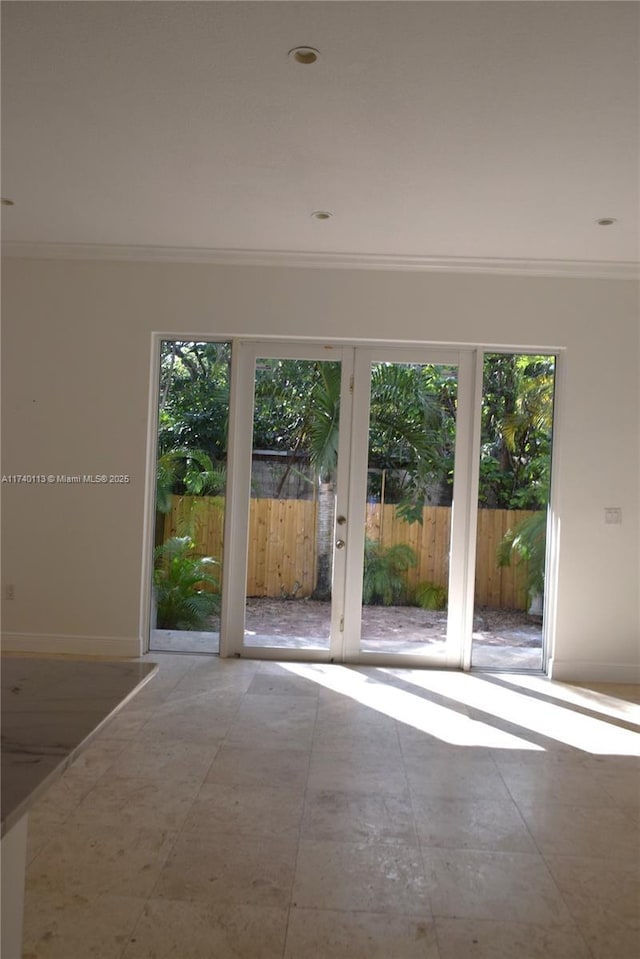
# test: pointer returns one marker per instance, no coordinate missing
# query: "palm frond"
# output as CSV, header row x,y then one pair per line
x,y
526,543
322,428
384,582
186,589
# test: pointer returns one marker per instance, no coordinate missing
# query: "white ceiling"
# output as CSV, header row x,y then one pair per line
x,y
432,131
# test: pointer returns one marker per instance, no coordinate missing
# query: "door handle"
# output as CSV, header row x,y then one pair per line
x,y
341,520
339,544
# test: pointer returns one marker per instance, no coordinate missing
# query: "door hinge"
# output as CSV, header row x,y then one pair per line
x,y
351,383
342,624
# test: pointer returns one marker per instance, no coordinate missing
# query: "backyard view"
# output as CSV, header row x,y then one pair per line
x,y
292,521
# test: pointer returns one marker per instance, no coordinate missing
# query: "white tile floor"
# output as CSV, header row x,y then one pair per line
x,y
260,810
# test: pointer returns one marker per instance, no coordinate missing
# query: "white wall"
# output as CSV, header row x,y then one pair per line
x,y
76,397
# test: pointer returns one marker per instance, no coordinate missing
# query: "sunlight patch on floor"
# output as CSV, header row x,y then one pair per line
x,y
553,721
586,698
448,725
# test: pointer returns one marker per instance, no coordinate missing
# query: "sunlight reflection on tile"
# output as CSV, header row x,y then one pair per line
x,y
446,724
556,722
597,702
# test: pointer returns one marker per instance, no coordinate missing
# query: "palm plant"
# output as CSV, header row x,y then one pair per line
x,y
522,428
412,426
526,434
192,468
384,581
406,428
179,579
430,595
526,543
321,430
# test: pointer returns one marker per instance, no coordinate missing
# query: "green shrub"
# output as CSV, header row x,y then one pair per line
x,y
526,543
179,579
430,596
384,581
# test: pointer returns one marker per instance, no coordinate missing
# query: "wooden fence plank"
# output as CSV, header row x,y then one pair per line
x,y
282,545
494,534
259,546
481,568
252,554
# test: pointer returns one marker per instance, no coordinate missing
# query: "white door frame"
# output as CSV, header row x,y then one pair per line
x,y
350,497
461,571
470,359
236,534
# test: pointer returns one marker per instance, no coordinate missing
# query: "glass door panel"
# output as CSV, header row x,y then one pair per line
x,y
343,542
513,501
292,511
410,477
193,414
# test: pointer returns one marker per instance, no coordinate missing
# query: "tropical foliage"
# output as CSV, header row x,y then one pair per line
x,y
190,471
384,581
412,423
180,578
518,413
413,413
412,432
194,397
517,416
429,595
526,543
413,410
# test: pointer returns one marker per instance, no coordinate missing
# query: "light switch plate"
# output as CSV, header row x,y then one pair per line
x,y
612,515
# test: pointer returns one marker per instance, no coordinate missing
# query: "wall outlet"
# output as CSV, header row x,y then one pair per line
x,y
9,591
612,515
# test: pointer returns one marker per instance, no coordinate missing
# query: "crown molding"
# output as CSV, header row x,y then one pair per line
x,y
600,269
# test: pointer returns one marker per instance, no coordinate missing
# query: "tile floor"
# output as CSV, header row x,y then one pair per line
x,y
270,811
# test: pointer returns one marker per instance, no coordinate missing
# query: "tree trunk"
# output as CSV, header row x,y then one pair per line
x,y
324,540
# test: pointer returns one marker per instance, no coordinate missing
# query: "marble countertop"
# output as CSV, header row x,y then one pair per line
x,y
51,708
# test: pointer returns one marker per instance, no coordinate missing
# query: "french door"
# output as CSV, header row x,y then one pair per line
x,y
347,529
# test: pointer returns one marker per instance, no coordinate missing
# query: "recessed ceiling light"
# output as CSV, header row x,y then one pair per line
x,y
304,55
5,202
606,221
321,215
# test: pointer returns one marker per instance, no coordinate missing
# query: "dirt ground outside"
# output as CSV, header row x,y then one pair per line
x,y
502,639
310,618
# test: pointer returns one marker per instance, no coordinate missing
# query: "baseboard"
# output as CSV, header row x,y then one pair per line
x,y
585,671
55,644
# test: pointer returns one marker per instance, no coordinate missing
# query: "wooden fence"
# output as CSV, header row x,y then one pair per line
x,y
282,545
